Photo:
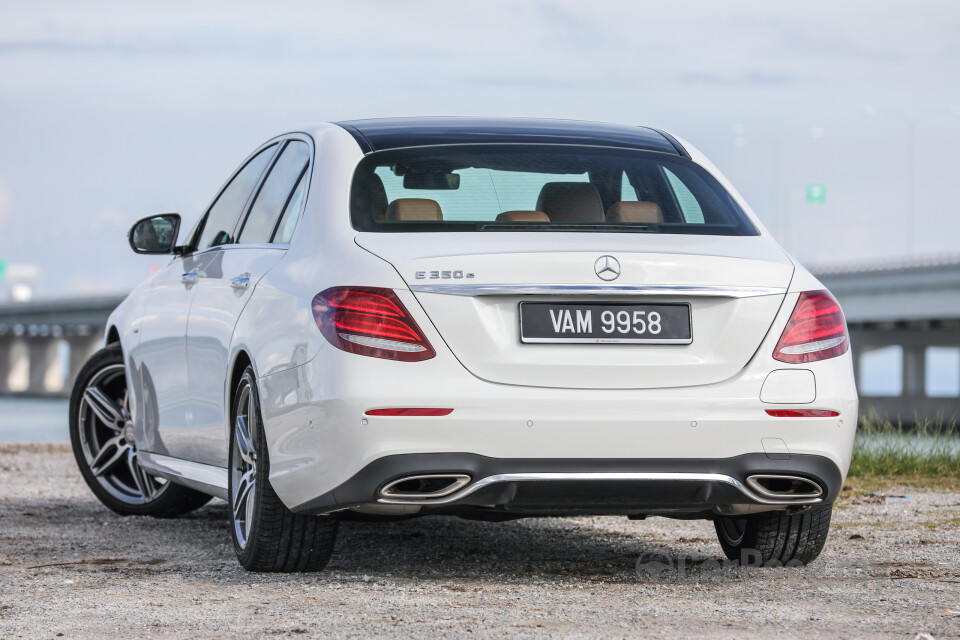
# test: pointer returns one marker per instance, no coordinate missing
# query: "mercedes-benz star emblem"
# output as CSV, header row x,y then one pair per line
x,y
607,268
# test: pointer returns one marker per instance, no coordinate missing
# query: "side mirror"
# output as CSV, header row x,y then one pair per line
x,y
155,234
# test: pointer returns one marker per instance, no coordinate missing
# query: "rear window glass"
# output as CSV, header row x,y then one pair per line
x,y
539,188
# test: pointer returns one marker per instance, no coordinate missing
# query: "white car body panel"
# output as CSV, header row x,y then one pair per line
x,y
554,401
491,419
482,330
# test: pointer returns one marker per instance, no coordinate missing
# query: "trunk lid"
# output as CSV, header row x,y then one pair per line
x,y
471,284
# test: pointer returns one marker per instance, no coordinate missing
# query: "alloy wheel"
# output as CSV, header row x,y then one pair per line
x,y
243,468
107,441
732,530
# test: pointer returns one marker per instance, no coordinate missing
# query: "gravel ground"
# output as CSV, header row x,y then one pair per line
x,y
71,568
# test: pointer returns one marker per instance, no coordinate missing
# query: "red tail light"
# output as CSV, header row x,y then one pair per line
x,y
370,321
816,330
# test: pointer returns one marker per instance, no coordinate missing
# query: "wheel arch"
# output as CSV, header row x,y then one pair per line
x,y
241,360
112,335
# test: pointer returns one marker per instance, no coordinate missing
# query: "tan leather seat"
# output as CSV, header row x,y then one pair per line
x,y
523,216
635,212
414,209
571,202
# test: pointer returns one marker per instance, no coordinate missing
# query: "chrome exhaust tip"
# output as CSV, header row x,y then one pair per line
x,y
424,487
784,487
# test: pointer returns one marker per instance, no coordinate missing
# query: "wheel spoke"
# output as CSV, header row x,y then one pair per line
x,y
244,443
104,407
143,481
245,486
109,455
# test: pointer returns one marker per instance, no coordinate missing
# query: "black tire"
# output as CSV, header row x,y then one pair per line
x,y
101,433
267,536
775,538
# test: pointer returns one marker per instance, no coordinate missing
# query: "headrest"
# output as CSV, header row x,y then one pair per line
x,y
414,209
523,216
571,202
637,212
369,195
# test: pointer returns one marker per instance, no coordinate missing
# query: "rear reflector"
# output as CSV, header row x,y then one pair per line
x,y
802,413
370,321
409,412
816,330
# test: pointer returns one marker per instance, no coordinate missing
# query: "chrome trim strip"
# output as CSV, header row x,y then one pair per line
x,y
202,477
457,481
753,483
548,477
595,290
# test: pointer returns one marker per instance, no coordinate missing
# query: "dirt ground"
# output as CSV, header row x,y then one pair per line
x,y
70,568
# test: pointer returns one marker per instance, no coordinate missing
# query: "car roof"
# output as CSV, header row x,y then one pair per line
x,y
393,133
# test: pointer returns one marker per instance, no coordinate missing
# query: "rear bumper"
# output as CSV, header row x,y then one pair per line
x,y
541,486
324,446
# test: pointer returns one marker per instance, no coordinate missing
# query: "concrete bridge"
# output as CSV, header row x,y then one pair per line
x,y
903,312
44,344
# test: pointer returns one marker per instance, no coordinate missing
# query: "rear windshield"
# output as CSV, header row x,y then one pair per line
x,y
539,188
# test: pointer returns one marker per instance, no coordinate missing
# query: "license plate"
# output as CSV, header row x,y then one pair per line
x,y
600,323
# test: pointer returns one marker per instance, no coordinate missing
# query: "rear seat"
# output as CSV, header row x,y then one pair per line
x,y
414,209
635,212
523,216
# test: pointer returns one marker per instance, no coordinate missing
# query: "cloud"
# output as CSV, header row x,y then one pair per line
x,y
741,80
64,46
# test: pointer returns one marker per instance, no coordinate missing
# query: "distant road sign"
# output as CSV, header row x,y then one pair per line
x,y
3,270
816,193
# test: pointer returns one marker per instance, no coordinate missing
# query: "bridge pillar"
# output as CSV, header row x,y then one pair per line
x,y
81,348
855,352
18,368
45,374
6,360
914,370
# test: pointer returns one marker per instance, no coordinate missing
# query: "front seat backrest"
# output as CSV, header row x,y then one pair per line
x,y
369,195
571,202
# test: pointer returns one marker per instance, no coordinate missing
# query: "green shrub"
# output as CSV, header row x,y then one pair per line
x,y
884,448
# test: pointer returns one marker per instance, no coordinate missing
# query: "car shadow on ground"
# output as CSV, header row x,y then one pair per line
x,y
431,547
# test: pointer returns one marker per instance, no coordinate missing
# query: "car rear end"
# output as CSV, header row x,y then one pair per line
x,y
567,329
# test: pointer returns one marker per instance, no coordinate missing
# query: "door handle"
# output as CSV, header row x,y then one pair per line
x,y
241,282
190,278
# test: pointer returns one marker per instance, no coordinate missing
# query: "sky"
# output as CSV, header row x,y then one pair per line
x,y
110,111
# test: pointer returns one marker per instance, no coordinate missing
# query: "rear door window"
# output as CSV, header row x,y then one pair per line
x,y
275,194
291,213
221,220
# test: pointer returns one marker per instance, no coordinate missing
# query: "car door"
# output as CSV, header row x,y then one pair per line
x,y
165,419
224,289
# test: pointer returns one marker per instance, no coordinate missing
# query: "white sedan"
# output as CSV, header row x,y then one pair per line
x,y
489,318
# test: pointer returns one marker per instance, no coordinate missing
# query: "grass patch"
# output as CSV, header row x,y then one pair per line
x,y
889,452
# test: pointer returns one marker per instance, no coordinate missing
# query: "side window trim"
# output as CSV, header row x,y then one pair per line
x,y
192,247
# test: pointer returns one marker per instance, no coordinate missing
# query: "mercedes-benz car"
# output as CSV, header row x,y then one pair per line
x,y
484,318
